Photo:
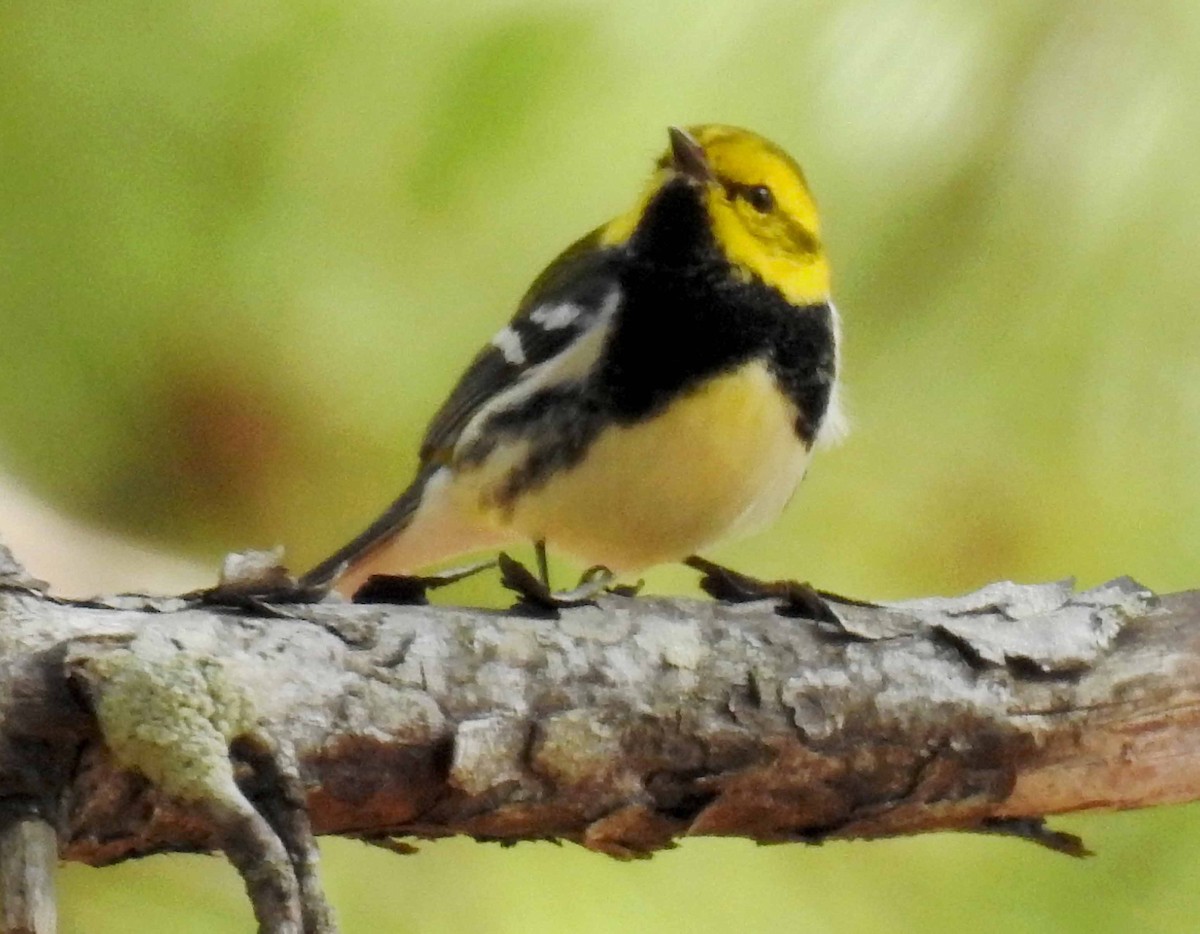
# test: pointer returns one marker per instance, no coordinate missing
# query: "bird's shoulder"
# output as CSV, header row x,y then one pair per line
x,y
567,300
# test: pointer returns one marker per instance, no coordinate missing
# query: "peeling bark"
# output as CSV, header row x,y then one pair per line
x,y
629,724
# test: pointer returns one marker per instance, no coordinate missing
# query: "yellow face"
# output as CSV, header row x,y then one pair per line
x,y
763,217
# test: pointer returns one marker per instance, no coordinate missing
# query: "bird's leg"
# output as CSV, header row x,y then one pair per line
x,y
800,599
538,598
539,549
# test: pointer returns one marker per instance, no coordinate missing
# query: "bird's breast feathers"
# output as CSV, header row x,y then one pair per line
x,y
721,460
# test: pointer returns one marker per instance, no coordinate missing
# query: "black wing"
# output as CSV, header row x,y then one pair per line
x,y
563,303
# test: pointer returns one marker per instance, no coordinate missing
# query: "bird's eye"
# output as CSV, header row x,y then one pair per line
x,y
760,198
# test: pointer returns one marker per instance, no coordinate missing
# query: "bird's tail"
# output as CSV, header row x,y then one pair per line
x,y
394,520
426,524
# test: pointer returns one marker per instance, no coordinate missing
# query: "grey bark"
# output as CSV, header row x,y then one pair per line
x,y
621,726
28,854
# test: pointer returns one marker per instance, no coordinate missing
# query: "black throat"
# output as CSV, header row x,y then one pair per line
x,y
687,315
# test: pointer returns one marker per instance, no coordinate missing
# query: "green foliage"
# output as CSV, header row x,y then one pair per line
x,y
245,249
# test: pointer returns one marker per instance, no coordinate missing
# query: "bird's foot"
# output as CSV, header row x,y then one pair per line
x,y
799,599
413,589
626,590
537,597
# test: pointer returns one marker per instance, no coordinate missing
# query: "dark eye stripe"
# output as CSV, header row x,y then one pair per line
x,y
802,239
759,197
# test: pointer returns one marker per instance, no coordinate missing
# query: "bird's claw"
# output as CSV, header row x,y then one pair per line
x,y
797,598
537,597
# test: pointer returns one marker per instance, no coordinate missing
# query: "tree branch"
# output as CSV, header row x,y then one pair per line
x,y
28,855
621,726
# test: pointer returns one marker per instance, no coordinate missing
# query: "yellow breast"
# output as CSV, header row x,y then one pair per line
x,y
722,460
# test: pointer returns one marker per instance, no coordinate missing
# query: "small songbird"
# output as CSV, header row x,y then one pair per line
x,y
660,387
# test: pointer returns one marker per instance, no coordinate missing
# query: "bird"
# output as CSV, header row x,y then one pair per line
x,y
660,388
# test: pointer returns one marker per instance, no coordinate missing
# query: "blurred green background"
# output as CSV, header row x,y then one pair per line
x,y
246,248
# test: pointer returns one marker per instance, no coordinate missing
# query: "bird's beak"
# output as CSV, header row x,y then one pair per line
x,y
687,156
